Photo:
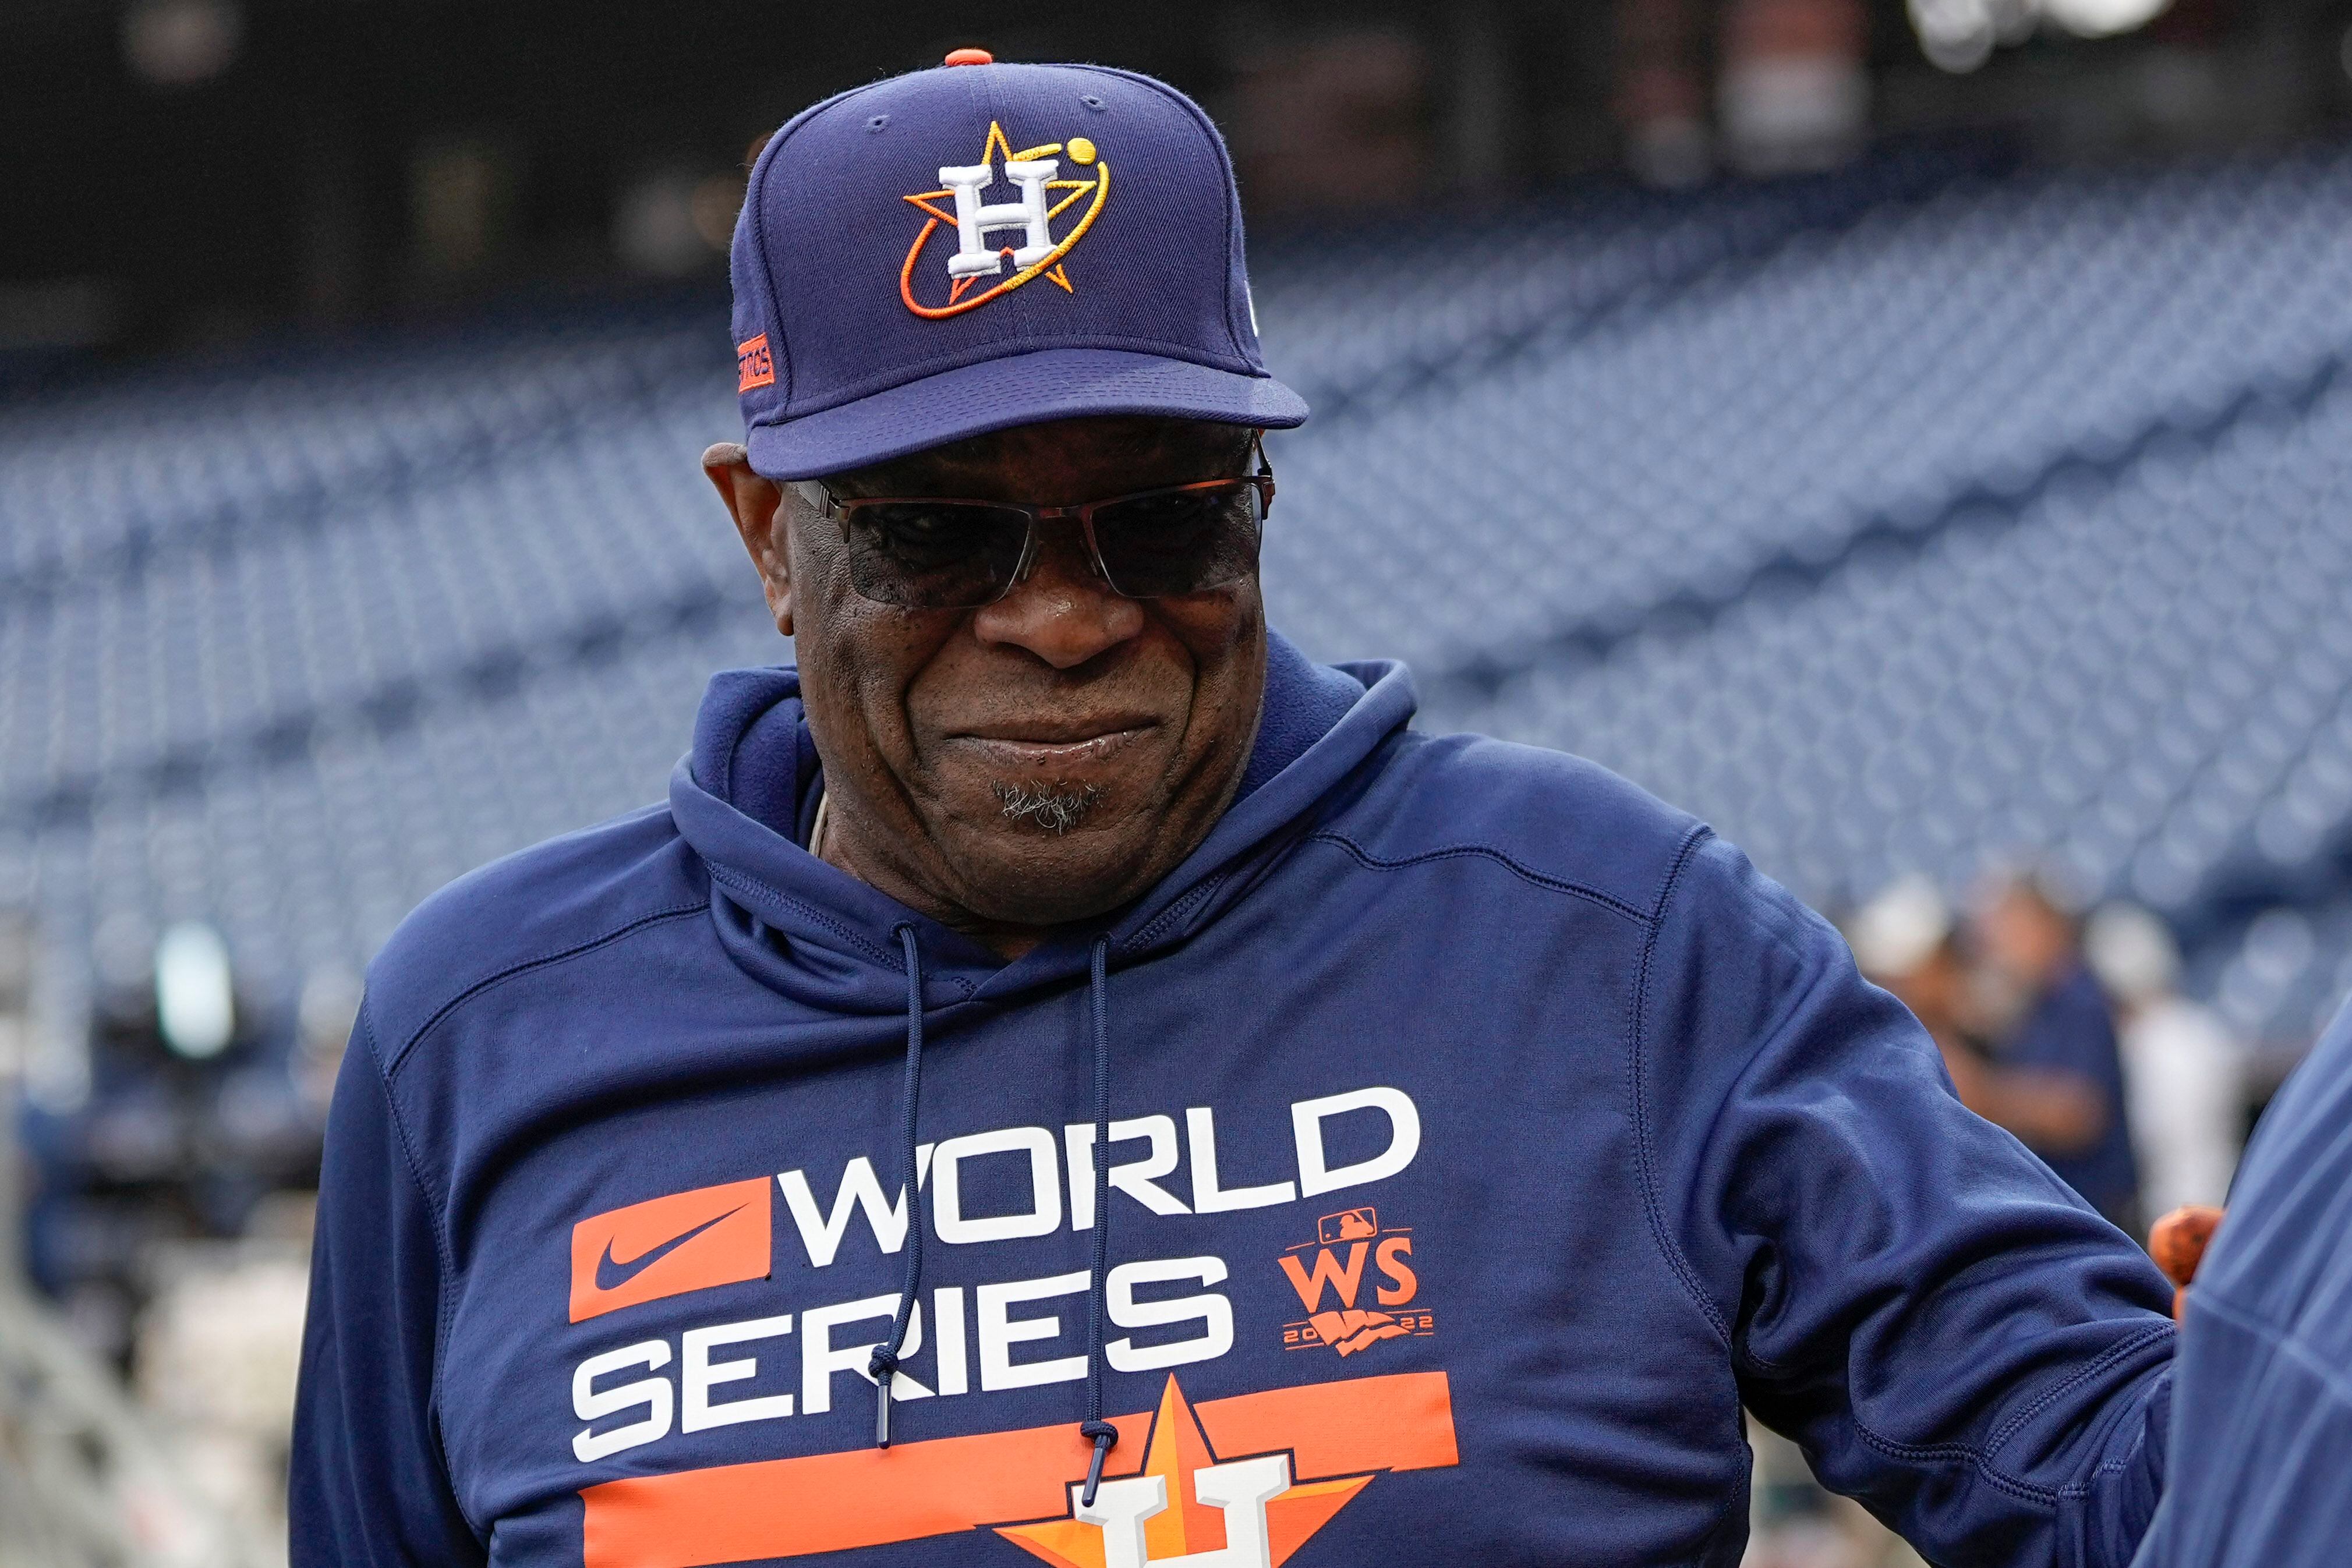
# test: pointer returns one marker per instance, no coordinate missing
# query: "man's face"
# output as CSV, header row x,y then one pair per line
x,y
1047,757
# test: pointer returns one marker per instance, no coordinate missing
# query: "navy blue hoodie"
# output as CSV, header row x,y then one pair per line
x,y
1482,1135
2261,1445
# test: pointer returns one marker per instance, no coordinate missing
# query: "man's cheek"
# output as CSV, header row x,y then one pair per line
x,y
881,666
1215,624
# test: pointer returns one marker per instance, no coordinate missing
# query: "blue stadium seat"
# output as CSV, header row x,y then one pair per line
x,y
1887,517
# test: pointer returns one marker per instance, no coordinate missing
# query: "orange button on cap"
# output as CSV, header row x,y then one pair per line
x,y
969,57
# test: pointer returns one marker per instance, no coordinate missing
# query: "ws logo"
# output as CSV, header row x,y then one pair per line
x,y
1343,1243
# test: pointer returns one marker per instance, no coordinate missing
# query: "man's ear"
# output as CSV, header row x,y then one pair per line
x,y
757,506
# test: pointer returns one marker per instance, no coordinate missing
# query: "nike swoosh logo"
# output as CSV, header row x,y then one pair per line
x,y
612,1276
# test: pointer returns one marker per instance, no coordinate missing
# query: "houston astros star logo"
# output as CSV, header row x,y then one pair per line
x,y
1188,1506
1044,195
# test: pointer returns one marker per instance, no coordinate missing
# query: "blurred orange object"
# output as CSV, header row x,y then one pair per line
x,y
2178,1243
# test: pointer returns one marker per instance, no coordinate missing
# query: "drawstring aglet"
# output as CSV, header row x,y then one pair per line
x,y
883,1368
1105,1436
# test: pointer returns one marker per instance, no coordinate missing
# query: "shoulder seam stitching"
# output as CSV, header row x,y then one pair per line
x,y
444,1270
484,984
1675,1260
1553,884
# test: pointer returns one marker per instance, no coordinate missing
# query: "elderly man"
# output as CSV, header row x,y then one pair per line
x,y
1064,1078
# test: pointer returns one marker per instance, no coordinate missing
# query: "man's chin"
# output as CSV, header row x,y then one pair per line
x,y
1021,871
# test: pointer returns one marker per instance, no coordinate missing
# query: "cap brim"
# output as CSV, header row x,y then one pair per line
x,y
1020,389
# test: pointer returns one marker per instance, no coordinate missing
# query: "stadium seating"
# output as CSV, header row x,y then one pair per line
x,y
197,452
1871,374
2281,975
2148,672
1773,496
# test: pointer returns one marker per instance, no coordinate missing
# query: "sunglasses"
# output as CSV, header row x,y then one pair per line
x,y
927,553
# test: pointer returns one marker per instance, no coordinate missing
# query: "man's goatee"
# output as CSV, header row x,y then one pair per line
x,y
1056,807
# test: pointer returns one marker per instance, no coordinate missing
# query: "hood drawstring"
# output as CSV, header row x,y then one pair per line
x,y
1104,1435
884,1364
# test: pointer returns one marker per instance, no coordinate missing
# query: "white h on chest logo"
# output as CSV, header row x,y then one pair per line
x,y
1240,1491
975,220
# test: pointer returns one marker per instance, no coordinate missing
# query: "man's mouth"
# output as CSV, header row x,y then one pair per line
x,y
1045,748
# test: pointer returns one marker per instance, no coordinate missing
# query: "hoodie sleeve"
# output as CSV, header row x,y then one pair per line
x,y
1953,1337
368,1487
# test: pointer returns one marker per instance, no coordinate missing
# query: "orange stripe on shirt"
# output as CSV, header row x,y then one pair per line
x,y
873,1497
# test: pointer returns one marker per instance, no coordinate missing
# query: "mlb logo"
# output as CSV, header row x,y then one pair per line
x,y
1348,1225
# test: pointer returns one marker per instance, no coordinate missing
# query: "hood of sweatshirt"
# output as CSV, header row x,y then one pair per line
x,y
746,797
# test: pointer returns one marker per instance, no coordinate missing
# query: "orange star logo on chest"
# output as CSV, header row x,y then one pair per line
x,y
1187,1506
1044,193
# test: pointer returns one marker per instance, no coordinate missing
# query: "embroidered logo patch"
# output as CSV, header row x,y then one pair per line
x,y
1042,194
754,366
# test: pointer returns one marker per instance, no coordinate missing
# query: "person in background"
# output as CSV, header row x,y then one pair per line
x,y
1904,940
2182,1071
2063,1067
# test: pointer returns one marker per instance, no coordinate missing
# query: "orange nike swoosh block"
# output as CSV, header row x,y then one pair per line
x,y
872,1496
714,1236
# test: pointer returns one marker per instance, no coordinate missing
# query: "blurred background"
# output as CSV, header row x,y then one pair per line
x,y
1913,436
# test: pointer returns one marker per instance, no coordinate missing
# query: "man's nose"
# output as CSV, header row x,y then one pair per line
x,y
1063,611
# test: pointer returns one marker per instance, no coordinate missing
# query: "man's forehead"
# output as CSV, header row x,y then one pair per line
x,y
1149,449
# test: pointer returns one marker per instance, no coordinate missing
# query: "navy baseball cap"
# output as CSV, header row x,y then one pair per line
x,y
978,246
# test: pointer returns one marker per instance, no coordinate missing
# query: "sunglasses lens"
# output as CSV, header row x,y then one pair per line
x,y
934,555
1181,541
